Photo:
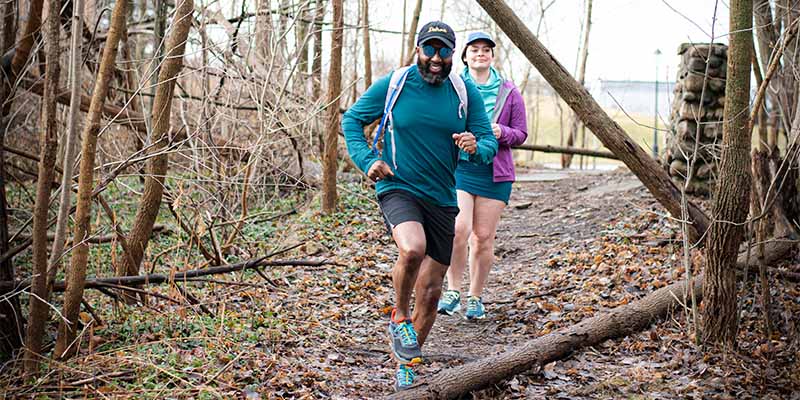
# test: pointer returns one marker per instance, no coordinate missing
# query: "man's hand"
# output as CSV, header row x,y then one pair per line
x,y
496,130
466,141
379,170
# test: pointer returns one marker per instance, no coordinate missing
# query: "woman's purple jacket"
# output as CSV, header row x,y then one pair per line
x,y
513,130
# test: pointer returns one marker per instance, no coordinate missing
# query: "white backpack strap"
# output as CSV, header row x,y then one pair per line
x,y
461,91
396,83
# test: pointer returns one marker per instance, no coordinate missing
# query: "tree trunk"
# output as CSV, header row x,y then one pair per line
x,y
26,41
157,166
760,165
354,63
70,145
732,195
159,29
332,128
786,11
412,34
301,46
403,35
279,58
566,159
135,100
76,274
40,295
604,128
11,322
367,49
263,28
316,66
8,16
765,31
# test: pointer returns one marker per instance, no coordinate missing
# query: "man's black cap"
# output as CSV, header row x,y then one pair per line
x,y
437,30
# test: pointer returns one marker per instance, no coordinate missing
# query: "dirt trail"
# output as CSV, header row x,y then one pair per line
x,y
571,244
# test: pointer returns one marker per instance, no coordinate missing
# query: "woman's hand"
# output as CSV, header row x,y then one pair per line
x,y
466,141
496,130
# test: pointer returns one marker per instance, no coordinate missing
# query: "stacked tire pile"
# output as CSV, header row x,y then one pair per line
x,y
697,112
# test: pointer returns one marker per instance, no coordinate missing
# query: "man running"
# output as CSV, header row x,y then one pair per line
x,y
428,124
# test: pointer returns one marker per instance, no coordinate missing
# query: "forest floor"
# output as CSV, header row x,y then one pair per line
x,y
570,245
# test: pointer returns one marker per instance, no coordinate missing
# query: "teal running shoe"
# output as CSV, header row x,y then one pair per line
x,y
404,377
450,303
404,342
475,309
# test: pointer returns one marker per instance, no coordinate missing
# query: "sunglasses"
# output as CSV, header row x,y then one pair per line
x,y
430,51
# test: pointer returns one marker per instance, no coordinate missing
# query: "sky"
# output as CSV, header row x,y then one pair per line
x,y
623,38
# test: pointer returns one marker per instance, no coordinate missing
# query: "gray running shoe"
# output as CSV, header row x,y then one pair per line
x,y
404,342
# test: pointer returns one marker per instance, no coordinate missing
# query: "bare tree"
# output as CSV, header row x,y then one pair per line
x,y
566,159
316,64
412,30
367,50
731,199
11,322
70,145
301,44
26,42
40,295
403,35
332,129
76,274
264,28
157,165
354,62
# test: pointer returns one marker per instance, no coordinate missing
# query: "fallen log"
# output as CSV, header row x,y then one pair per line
x,y
567,150
592,115
619,322
154,279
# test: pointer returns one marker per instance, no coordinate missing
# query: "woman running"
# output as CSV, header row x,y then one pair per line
x,y
483,190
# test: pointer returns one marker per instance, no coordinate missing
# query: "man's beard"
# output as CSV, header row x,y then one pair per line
x,y
434,78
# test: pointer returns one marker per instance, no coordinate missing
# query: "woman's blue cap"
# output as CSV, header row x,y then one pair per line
x,y
475,36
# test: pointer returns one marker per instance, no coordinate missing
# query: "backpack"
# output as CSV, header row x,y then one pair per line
x,y
396,83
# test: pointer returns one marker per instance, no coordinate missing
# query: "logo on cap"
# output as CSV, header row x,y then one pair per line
x,y
436,29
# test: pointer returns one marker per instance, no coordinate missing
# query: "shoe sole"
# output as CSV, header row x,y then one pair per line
x,y
475,318
402,388
415,360
445,312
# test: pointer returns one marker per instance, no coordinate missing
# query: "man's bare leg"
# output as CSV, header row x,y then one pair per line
x,y
428,290
410,239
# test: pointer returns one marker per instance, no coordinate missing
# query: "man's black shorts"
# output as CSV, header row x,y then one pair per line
x,y
438,222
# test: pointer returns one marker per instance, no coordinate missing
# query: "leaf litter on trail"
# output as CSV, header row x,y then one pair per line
x,y
319,332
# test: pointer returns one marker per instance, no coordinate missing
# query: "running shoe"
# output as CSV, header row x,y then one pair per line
x,y
450,303
404,341
404,377
475,309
